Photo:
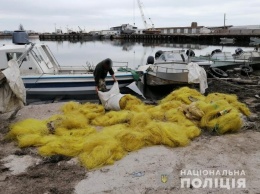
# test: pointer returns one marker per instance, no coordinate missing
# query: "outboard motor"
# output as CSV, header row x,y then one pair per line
x,y
150,60
158,54
238,51
190,53
216,51
20,37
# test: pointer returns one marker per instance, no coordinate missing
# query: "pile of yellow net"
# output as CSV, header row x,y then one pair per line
x,y
99,138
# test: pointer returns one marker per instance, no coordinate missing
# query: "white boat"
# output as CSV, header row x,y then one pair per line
x,y
181,57
222,60
246,55
227,60
255,39
43,76
169,68
161,74
227,40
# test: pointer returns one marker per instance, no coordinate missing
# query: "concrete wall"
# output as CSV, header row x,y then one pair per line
x,y
187,30
109,32
244,31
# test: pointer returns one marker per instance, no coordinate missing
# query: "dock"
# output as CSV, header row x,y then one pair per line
x,y
76,36
189,37
159,37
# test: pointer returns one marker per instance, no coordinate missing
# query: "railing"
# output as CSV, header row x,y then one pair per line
x,y
167,70
120,62
89,68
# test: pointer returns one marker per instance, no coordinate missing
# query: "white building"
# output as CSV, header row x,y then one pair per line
x,y
109,32
193,29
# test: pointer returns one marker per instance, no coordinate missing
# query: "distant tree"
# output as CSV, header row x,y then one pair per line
x,y
21,27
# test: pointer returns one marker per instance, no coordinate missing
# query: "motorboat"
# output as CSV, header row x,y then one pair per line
x,y
246,55
181,57
227,40
253,57
43,76
223,60
170,68
255,39
161,74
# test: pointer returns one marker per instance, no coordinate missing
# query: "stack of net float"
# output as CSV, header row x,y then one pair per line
x,y
98,137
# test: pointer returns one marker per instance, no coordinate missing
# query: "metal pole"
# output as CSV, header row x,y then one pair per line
x,y
224,20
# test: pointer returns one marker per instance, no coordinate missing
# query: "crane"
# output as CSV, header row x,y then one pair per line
x,y
147,30
142,13
80,30
151,23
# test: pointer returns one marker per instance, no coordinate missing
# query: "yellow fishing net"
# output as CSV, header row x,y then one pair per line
x,y
100,138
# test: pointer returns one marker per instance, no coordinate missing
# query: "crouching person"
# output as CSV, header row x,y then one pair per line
x,y
100,74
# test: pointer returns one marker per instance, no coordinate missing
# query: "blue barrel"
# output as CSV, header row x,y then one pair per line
x,y
20,37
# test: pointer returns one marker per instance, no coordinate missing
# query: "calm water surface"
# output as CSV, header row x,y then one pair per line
x,y
78,53
135,53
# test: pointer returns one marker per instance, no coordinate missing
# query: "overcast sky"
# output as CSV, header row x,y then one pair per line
x,y
43,15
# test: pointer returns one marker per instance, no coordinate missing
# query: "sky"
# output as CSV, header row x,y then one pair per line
x,y
45,15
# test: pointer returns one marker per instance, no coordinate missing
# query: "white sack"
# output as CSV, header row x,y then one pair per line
x,y
12,92
110,100
197,74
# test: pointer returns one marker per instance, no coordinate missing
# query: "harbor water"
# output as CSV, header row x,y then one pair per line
x,y
79,53
84,53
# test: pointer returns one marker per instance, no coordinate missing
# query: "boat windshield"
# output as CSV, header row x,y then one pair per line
x,y
222,56
170,56
13,55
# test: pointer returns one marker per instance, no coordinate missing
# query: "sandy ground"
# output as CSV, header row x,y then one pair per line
x,y
24,171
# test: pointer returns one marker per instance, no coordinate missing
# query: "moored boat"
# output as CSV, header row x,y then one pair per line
x,y
166,74
43,76
255,39
227,40
227,60
180,57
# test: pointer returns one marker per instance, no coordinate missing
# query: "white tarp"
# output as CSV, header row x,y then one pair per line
x,y
110,100
197,74
12,91
134,88
143,68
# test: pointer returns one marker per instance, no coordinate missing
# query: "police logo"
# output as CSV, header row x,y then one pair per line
x,y
164,178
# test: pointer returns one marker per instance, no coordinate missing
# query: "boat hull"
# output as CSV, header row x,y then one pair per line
x,y
57,85
225,63
162,79
227,40
255,39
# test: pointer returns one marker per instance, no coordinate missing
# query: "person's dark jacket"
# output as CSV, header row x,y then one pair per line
x,y
100,71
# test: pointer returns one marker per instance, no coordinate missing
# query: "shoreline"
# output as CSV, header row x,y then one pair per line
x,y
140,171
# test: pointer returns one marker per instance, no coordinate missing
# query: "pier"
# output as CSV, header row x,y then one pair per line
x,y
76,36
189,37
159,37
